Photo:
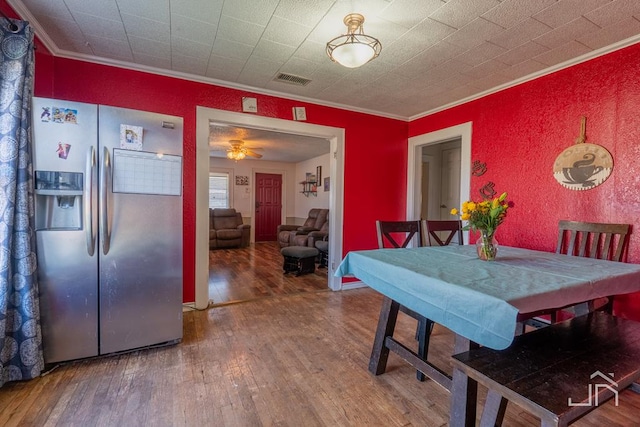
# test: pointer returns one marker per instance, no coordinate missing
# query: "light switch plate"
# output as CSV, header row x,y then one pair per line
x,y
299,113
249,105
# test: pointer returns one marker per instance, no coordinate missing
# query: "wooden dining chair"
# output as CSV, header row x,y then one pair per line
x,y
398,234
593,240
442,232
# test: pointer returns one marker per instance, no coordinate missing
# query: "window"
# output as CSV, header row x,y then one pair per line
x,y
218,190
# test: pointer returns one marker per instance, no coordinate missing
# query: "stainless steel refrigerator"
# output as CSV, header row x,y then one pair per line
x,y
108,202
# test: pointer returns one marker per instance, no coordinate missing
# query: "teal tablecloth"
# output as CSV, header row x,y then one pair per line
x,y
478,299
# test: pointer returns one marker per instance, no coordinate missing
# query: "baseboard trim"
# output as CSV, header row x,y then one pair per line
x,y
353,285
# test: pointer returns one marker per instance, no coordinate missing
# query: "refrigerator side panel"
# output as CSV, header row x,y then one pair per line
x,y
141,271
63,133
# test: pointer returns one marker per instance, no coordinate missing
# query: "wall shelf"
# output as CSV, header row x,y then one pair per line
x,y
309,187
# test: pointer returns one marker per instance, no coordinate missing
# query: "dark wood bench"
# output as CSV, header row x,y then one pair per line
x,y
560,372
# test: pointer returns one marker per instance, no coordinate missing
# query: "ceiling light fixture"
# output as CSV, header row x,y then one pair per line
x,y
355,48
236,154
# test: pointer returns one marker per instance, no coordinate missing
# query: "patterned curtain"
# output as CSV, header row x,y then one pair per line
x,y
20,338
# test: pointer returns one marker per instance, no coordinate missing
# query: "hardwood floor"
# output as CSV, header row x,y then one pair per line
x,y
292,360
244,274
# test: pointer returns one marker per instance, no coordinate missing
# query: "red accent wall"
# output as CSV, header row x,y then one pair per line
x,y
375,147
520,131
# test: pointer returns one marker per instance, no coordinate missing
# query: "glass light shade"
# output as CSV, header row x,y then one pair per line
x,y
355,48
236,155
353,55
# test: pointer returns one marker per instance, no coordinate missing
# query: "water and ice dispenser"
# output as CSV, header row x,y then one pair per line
x,y
58,200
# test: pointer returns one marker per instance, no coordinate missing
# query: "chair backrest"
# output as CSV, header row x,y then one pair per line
x,y
443,232
391,233
221,219
316,219
594,240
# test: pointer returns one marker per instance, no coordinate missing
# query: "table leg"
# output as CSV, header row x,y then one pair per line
x,y
386,326
464,390
423,334
494,408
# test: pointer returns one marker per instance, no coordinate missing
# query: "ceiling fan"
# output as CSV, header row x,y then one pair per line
x,y
238,151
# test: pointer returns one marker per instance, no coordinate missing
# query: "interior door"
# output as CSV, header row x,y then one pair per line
x,y
424,204
450,188
268,206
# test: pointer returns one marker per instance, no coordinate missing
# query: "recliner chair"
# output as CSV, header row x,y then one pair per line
x,y
226,229
292,235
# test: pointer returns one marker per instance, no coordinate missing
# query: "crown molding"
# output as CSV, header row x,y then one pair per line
x,y
221,83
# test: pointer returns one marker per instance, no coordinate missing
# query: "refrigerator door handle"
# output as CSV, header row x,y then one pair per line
x,y
105,236
88,201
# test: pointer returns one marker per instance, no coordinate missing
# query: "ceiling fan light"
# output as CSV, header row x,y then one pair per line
x,y
230,155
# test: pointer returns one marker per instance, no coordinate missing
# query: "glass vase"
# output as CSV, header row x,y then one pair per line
x,y
487,246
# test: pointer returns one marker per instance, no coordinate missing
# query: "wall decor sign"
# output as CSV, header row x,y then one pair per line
x,y
242,180
488,191
478,168
583,166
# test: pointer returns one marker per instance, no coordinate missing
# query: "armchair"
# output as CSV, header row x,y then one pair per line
x,y
226,229
317,236
292,235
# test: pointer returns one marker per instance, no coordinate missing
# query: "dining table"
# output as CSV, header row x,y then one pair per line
x,y
482,302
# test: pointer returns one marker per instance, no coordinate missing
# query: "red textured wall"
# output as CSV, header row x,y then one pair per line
x,y
375,147
520,131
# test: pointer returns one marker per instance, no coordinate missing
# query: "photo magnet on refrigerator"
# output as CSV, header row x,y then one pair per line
x,y
131,137
63,150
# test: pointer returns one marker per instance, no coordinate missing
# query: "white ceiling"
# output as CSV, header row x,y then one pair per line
x,y
435,53
274,146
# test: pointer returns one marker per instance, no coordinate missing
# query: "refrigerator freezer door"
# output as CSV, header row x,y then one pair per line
x,y
141,267
67,272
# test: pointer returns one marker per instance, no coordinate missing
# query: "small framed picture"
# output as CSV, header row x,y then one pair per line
x,y
326,184
242,180
319,174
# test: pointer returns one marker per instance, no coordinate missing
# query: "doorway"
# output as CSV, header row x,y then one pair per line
x,y
447,139
336,173
440,179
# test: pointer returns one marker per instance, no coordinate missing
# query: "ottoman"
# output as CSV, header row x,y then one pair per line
x,y
300,259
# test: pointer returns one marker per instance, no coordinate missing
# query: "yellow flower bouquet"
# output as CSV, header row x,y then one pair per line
x,y
485,217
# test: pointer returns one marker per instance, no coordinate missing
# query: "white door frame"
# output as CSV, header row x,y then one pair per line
x,y
414,165
336,173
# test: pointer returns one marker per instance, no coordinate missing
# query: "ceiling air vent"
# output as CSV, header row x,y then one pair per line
x,y
292,80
